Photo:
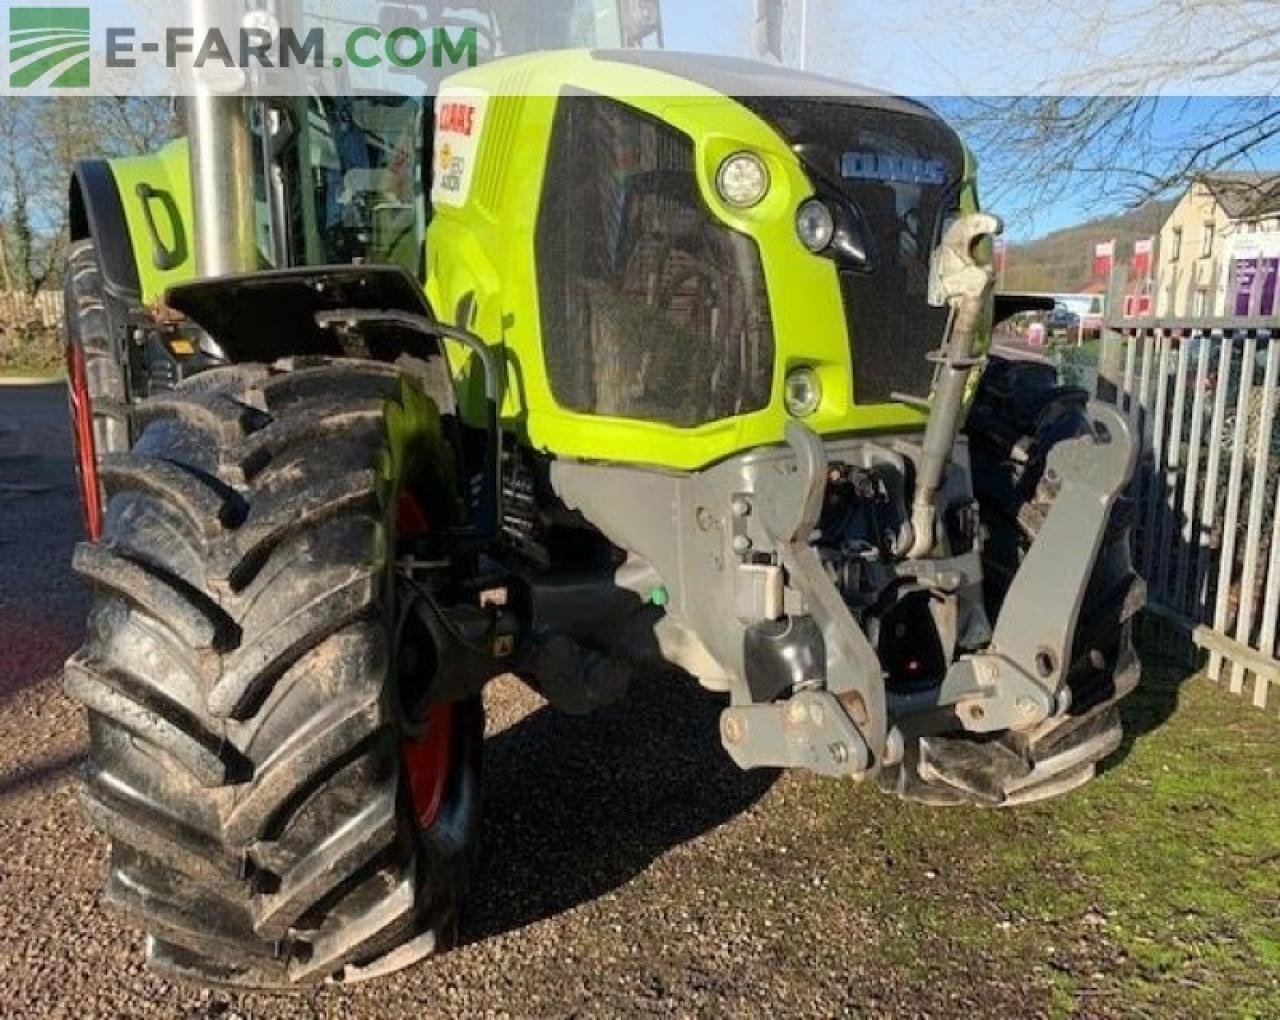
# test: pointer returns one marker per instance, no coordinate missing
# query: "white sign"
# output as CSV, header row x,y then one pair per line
x,y
1261,245
459,124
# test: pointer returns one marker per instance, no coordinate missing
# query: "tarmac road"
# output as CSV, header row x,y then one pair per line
x,y
628,868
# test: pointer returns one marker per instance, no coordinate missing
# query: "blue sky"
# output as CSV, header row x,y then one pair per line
x,y
860,40
723,26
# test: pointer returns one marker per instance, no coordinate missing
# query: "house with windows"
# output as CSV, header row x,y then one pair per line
x,y
1215,249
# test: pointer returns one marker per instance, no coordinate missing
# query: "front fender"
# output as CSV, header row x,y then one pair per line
x,y
154,193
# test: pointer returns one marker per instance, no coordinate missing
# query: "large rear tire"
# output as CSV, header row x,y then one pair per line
x,y
1020,413
247,714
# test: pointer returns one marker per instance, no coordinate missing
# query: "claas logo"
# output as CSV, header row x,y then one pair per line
x,y
457,118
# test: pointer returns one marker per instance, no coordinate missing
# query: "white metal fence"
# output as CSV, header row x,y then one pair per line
x,y
1204,395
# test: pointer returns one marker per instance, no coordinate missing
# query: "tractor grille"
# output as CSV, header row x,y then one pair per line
x,y
902,168
651,308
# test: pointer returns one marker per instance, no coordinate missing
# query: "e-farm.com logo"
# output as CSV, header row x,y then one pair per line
x,y
49,46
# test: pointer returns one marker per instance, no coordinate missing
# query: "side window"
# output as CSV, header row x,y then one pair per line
x,y
1206,240
362,175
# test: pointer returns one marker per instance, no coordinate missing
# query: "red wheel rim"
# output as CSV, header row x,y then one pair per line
x,y
428,759
86,452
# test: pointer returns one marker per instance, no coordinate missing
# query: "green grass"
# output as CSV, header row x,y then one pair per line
x,y
1079,365
1153,891
32,353
30,370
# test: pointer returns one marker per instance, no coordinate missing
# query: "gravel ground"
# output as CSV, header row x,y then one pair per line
x,y
628,868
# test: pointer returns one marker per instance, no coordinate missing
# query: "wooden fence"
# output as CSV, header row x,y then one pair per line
x,y
18,309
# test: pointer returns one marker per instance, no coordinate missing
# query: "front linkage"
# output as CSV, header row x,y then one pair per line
x,y
837,590
854,641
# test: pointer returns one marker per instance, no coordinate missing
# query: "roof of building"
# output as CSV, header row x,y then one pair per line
x,y
1245,194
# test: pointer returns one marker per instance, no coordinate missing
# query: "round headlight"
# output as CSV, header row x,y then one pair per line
x,y
743,180
802,393
815,225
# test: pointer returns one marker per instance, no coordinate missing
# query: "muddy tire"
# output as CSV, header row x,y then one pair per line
x,y
98,391
1019,414
247,718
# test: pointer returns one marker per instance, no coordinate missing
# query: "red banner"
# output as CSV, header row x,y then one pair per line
x,y
1143,259
1138,301
1104,257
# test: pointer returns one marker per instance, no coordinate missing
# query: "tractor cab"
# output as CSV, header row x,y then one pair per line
x,y
345,177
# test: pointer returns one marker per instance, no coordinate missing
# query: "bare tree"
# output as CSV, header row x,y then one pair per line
x,y
1117,150
40,141
1132,100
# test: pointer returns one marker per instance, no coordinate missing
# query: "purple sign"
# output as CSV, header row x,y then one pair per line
x,y
1255,277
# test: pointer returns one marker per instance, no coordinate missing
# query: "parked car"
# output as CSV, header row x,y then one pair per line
x,y
1061,321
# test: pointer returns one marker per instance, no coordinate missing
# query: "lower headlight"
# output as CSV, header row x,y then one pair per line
x,y
815,225
802,392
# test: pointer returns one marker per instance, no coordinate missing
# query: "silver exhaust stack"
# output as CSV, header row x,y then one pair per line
x,y
217,122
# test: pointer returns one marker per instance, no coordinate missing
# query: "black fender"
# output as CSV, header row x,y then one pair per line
x,y
273,314
97,211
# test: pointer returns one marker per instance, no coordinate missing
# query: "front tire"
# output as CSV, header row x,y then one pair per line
x,y
246,714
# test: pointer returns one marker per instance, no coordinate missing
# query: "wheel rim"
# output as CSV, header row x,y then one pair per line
x,y
86,452
428,760
428,756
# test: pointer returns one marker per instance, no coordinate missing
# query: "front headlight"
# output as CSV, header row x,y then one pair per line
x,y
743,180
802,393
815,225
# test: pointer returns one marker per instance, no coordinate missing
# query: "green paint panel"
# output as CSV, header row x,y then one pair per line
x,y
168,173
485,248
481,254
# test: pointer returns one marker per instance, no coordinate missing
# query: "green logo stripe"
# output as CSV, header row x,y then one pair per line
x,y
18,53
74,77
43,33
48,17
31,72
50,45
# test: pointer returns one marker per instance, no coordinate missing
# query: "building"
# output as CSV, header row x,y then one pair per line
x,y
1220,226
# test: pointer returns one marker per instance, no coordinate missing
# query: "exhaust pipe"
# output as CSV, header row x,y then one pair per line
x,y
216,114
964,286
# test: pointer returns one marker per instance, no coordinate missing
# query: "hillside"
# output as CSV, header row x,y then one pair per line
x,y
1063,261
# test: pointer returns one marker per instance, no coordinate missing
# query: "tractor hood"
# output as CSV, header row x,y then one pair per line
x,y
899,167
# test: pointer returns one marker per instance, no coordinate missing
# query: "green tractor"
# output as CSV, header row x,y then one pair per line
x,y
576,367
